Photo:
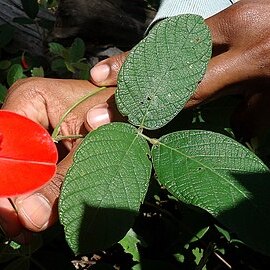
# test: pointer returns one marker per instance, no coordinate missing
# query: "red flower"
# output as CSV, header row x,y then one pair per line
x,y
28,155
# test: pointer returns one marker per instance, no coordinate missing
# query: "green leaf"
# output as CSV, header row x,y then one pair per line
x,y
15,72
37,72
58,65
216,173
76,51
31,8
163,70
104,187
81,66
199,234
57,49
82,70
70,67
198,253
224,232
15,245
3,93
129,244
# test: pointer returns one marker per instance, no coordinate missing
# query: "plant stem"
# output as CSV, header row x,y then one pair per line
x,y
60,137
151,140
77,103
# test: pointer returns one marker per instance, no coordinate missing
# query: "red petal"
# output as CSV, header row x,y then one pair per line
x,y
28,155
23,62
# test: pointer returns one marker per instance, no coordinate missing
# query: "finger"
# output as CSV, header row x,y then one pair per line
x,y
223,71
24,98
97,116
102,114
105,72
39,210
220,28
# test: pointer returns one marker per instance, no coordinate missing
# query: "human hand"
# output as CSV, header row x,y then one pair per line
x,y
240,52
45,101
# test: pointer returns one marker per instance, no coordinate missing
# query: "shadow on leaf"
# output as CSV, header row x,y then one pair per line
x,y
102,227
250,219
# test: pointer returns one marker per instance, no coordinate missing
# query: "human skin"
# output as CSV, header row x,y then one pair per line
x,y
241,60
240,51
240,64
45,101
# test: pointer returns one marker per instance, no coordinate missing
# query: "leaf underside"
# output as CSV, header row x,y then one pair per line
x,y
163,70
216,173
104,187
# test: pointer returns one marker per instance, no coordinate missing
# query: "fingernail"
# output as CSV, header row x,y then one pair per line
x,y
98,116
100,73
36,209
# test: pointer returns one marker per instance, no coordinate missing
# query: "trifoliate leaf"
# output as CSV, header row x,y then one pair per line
x,y
163,70
218,174
104,187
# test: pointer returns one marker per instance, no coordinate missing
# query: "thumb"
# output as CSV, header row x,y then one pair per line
x,y
39,210
105,72
102,114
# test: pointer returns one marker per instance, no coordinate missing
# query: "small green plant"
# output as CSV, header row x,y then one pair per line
x,y
70,60
17,64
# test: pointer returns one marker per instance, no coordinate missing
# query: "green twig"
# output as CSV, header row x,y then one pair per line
x,y
77,103
150,140
74,137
